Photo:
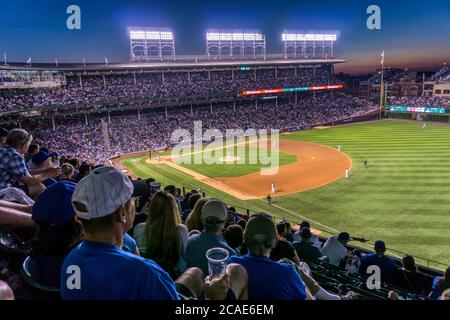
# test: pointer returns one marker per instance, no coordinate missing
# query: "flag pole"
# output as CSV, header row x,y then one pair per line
x,y
382,83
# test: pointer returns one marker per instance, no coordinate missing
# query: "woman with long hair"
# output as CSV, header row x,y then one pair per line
x,y
165,237
194,221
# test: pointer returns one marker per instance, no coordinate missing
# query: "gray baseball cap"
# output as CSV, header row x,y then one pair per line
x,y
101,193
214,211
260,229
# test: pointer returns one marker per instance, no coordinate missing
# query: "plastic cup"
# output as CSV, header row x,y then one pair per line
x,y
217,261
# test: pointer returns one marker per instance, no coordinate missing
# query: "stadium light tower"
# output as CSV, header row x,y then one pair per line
x,y
309,44
147,44
235,44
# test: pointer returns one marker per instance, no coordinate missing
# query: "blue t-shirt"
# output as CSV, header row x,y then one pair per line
x,y
270,280
437,288
387,266
199,244
106,272
129,244
49,182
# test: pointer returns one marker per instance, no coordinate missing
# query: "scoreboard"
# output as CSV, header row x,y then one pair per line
x,y
283,90
435,110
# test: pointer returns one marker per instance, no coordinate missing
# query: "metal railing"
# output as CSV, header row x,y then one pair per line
x,y
246,57
428,262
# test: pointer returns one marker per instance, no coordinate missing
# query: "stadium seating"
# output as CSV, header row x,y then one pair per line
x,y
93,143
118,88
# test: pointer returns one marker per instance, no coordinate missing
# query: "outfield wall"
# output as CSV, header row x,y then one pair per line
x,y
435,117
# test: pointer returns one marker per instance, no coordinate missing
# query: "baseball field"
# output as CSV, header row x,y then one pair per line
x,y
402,197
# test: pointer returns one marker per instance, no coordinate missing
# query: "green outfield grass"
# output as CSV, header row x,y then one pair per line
x,y
402,198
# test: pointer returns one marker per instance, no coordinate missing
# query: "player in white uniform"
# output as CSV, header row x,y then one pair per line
x,y
273,187
346,172
339,148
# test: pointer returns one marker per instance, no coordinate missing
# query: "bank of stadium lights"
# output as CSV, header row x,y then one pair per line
x,y
308,37
150,35
149,44
214,36
225,44
309,44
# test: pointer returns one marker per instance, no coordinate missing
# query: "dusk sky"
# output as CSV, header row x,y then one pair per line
x,y
414,34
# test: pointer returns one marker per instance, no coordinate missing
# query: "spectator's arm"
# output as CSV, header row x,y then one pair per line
x,y
392,295
15,218
34,172
309,295
16,206
216,288
49,173
6,292
363,240
311,286
296,259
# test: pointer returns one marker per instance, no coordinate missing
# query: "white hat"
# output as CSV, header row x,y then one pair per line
x,y
214,208
102,192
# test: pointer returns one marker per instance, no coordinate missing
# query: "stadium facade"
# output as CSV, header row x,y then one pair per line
x,y
104,76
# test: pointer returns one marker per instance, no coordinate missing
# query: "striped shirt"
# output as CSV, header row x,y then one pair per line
x,y
12,167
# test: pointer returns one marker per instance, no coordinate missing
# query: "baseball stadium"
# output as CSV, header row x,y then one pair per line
x,y
203,165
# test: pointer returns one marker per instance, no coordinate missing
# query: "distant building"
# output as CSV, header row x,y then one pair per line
x,y
439,83
404,82
399,83
442,89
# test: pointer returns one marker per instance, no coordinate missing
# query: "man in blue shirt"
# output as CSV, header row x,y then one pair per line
x,y
213,215
98,268
387,265
267,279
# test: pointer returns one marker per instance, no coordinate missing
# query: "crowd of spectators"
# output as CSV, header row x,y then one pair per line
x,y
442,76
436,102
155,242
116,88
153,131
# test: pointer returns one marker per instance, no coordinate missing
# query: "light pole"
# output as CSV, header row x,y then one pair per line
x,y
382,83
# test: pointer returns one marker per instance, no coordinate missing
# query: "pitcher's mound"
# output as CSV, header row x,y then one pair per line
x,y
229,159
